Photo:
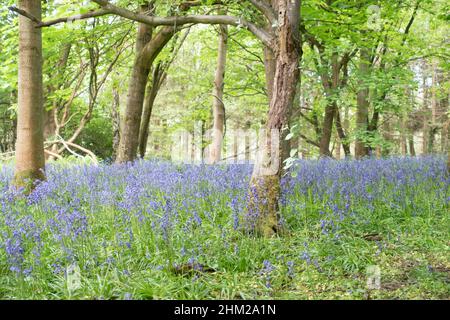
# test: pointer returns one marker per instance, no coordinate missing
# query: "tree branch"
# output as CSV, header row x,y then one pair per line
x,y
90,14
25,14
260,33
266,10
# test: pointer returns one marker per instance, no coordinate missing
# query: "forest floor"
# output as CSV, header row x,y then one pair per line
x,y
370,229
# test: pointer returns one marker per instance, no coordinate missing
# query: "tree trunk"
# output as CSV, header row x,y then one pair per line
x,y
30,161
362,110
50,114
337,143
129,138
342,135
150,96
49,123
115,117
387,135
218,105
412,150
331,109
327,129
263,206
448,163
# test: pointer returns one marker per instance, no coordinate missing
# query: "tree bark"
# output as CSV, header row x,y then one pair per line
x,y
362,110
263,206
342,136
150,96
327,129
218,105
30,161
330,86
129,138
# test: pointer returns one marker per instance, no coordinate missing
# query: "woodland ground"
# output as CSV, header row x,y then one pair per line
x,y
156,230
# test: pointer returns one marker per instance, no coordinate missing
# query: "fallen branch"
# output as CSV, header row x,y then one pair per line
x,y
66,145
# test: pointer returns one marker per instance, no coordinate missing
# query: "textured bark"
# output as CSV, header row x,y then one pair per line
x,y
265,182
218,105
362,110
30,161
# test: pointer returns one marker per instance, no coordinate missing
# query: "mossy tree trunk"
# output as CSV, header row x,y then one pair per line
x,y
263,203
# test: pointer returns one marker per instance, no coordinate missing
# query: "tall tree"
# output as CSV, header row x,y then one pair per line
x,y
362,109
218,104
265,181
129,138
30,161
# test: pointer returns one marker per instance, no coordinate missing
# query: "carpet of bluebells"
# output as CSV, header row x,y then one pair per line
x,y
157,230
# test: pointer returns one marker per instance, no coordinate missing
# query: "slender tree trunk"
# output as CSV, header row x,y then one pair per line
x,y
362,110
49,114
433,127
338,148
30,161
218,105
265,182
342,135
448,148
327,128
49,123
448,163
426,126
330,86
387,135
442,80
412,150
150,96
403,135
115,116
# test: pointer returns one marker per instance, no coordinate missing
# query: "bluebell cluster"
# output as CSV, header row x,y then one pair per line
x,y
97,215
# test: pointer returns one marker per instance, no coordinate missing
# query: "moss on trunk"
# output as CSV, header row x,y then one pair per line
x,y
28,179
263,208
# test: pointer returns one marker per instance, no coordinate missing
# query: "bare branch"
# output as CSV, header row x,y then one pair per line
x,y
25,14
